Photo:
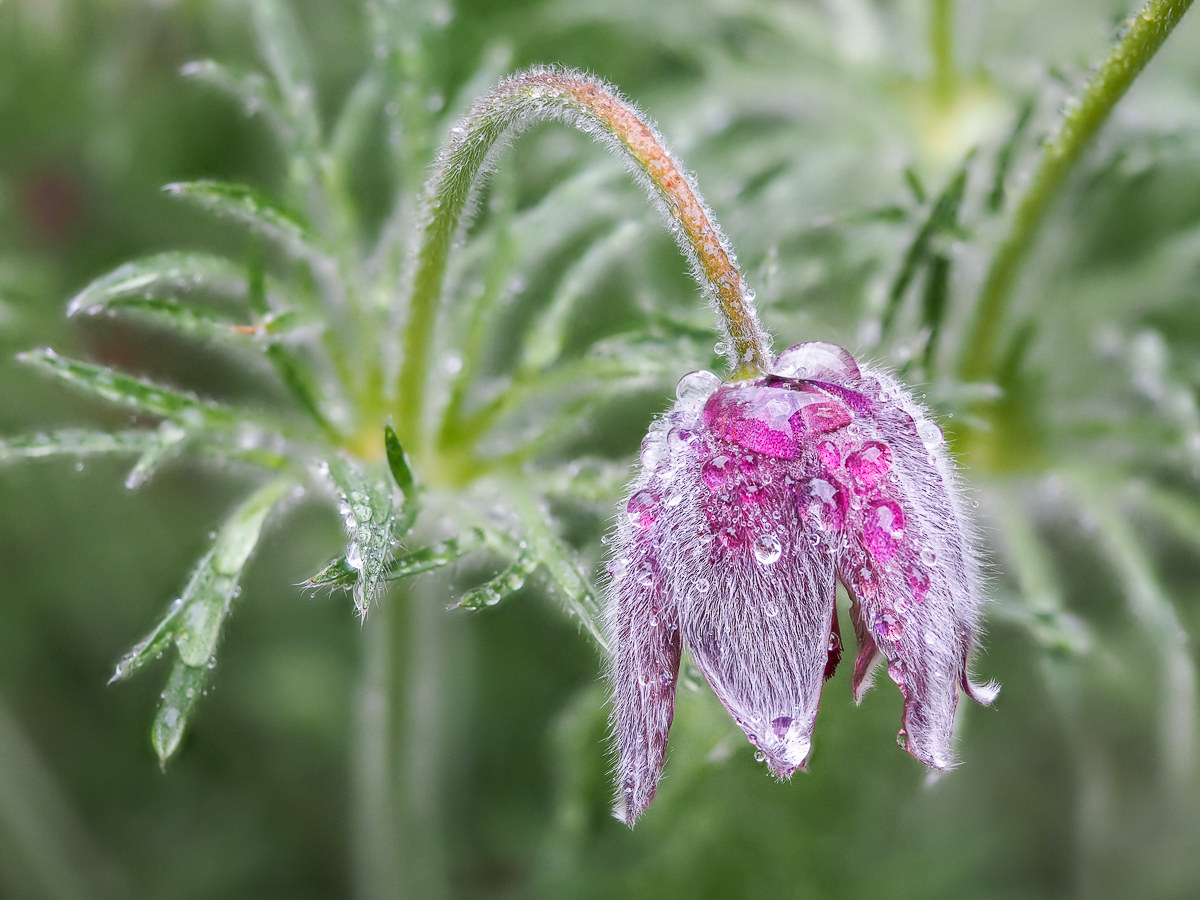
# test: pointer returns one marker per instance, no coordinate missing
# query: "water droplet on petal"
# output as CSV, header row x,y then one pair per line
x,y
883,529
715,473
767,549
816,359
829,455
641,508
930,433
889,627
696,387
868,465
928,556
645,576
918,583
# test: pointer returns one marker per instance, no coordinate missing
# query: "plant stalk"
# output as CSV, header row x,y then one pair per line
x,y
941,44
1147,32
596,108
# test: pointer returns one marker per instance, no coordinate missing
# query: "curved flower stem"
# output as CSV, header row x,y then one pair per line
x,y
1146,34
596,108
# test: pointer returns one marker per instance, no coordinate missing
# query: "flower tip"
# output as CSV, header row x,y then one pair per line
x,y
630,806
983,694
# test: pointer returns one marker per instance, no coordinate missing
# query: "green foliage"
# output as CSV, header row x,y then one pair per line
x,y
870,190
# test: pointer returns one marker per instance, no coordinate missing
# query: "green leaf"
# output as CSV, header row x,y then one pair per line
x,y
943,218
193,621
502,586
133,393
339,572
399,463
367,513
252,209
164,275
545,340
249,88
549,550
77,443
281,45
184,688
170,438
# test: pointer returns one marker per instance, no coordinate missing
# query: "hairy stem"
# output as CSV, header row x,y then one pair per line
x,y
1146,34
594,107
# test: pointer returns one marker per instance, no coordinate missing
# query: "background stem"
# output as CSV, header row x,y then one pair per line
x,y
1146,34
376,850
941,45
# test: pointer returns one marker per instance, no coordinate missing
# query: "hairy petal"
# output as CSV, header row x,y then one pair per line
x,y
755,592
644,631
906,557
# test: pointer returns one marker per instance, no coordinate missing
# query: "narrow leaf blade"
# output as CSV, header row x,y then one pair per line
x,y
133,393
163,275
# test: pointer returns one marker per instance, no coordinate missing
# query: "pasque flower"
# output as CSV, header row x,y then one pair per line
x,y
752,498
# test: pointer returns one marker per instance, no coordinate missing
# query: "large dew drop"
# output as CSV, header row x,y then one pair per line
x,y
816,360
641,508
767,549
695,387
883,528
868,465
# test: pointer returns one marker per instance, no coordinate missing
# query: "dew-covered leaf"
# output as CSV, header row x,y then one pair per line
x,y
252,209
193,622
184,688
508,582
549,550
133,393
163,275
76,443
367,514
339,572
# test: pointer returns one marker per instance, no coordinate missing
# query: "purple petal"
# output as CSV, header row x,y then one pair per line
x,y
645,631
909,566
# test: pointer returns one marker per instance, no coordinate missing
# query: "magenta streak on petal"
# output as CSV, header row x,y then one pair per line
x,y
761,419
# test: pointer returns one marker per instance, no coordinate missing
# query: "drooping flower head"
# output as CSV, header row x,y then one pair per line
x,y
752,499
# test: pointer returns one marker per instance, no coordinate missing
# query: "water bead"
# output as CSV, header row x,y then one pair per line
x,y
883,529
889,627
918,583
641,508
868,465
767,549
928,556
930,433
715,473
695,387
679,439
830,456
816,359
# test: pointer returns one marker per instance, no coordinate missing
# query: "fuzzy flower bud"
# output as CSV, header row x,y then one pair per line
x,y
753,498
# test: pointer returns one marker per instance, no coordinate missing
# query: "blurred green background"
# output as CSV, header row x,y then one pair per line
x,y
799,121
